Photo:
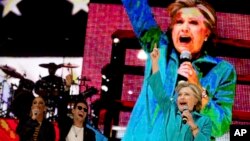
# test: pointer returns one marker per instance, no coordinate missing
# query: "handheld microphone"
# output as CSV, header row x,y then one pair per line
x,y
36,112
185,56
184,118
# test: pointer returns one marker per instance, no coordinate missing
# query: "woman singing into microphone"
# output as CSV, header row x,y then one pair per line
x,y
192,27
36,127
182,120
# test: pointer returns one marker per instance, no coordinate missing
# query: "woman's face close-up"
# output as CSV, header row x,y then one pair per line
x,y
186,99
39,104
189,30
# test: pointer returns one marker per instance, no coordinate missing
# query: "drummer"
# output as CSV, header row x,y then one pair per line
x,y
55,89
52,77
54,83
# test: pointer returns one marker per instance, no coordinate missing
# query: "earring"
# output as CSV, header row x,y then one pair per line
x,y
205,39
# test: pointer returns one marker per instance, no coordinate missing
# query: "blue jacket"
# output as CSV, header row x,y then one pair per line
x,y
216,75
174,129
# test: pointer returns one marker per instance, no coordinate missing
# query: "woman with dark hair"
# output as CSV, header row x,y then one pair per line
x,y
36,127
191,32
74,129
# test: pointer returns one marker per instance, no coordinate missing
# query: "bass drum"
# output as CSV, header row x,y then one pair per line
x,y
49,89
55,88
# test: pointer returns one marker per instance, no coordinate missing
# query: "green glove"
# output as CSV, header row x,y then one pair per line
x,y
149,38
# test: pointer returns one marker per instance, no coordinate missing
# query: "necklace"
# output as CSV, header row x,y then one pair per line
x,y
78,131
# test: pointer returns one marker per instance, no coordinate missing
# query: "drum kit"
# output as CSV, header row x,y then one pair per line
x,y
52,88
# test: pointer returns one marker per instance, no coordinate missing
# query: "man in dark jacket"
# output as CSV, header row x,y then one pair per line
x,y
75,128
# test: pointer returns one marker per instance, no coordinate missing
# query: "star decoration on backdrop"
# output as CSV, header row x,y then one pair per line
x,y
79,5
10,6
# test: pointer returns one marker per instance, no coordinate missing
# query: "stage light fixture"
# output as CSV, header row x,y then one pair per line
x,y
116,40
104,76
142,55
104,88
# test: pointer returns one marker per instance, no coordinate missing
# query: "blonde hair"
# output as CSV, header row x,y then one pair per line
x,y
197,92
206,10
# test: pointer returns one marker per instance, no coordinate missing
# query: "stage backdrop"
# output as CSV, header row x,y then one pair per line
x,y
104,19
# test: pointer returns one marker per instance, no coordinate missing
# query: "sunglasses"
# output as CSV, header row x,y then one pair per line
x,y
80,108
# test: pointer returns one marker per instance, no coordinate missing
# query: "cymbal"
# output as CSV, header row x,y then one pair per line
x,y
11,71
50,65
5,67
68,65
84,78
